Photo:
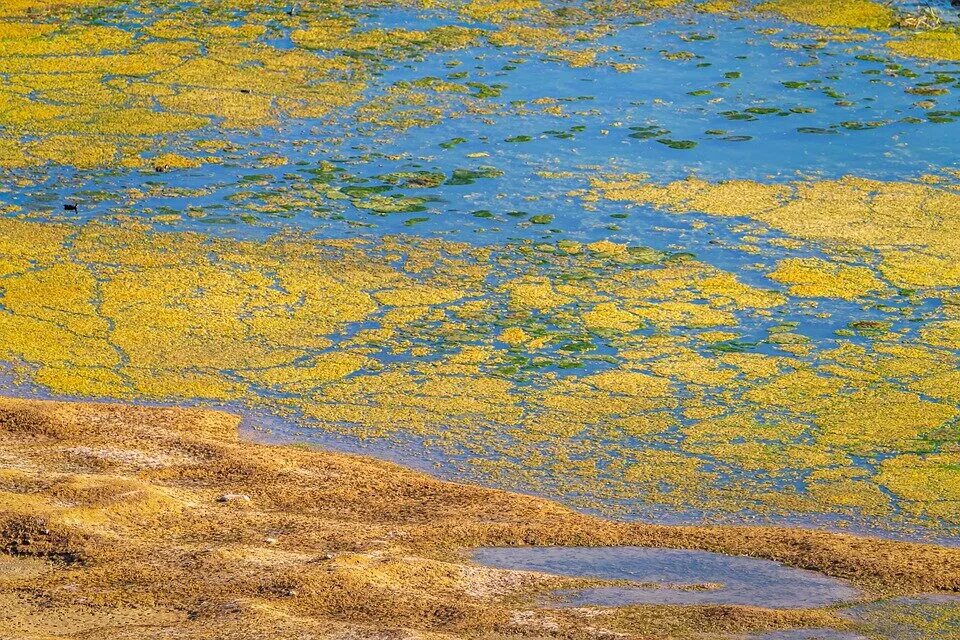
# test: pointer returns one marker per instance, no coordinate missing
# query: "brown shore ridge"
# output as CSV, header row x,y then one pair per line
x,y
121,521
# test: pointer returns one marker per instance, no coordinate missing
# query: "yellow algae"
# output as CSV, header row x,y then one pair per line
x,y
847,489
496,11
608,316
607,247
725,287
325,367
590,370
517,35
855,14
684,314
942,386
928,485
336,35
629,384
538,294
728,198
666,473
91,79
913,226
795,389
717,336
79,151
815,278
381,337
170,161
881,419
514,336
935,45
944,334
21,7
741,426
13,155
416,295
718,6
689,366
754,366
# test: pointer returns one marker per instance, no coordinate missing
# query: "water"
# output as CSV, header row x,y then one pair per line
x,y
505,162
684,577
810,634
734,580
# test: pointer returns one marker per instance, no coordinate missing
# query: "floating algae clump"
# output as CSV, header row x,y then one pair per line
x,y
812,277
853,14
941,44
913,227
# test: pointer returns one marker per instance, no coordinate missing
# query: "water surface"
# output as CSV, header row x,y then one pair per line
x,y
731,579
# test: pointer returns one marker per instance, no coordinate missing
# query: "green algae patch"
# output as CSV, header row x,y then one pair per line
x,y
851,14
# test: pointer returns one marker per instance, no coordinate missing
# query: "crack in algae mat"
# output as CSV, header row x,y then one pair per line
x,y
657,259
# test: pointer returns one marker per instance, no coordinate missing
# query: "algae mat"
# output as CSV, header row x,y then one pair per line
x,y
672,261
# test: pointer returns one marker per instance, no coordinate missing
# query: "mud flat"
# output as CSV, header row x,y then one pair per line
x,y
132,522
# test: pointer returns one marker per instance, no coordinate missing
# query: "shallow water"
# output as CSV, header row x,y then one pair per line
x,y
735,580
810,634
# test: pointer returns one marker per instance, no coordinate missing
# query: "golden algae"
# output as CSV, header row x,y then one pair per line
x,y
338,35
497,11
173,74
880,418
729,198
19,8
852,14
927,485
135,82
941,44
392,336
718,6
812,277
912,226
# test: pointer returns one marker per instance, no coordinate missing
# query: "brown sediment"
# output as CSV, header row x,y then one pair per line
x,y
132,522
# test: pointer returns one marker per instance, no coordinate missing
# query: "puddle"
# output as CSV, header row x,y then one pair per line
x,y
810,634
737,580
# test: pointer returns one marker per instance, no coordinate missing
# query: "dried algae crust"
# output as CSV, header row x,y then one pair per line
x,y
111,514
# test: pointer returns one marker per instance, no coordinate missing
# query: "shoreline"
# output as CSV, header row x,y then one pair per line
x,y
112,508
250,419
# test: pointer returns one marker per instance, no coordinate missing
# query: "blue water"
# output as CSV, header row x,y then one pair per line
x,y
848,85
